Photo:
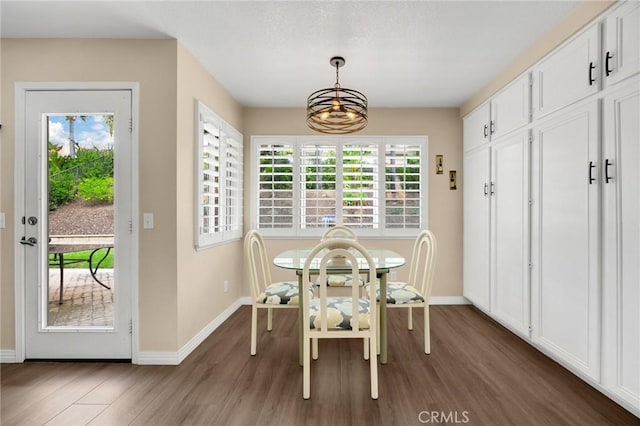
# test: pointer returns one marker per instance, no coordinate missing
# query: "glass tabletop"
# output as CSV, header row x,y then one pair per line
x,y
295,258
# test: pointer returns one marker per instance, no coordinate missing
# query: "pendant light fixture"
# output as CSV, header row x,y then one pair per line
x,y
337,110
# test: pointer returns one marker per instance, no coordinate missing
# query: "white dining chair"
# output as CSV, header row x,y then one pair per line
x,y
339,317
414,293
265,293
340,232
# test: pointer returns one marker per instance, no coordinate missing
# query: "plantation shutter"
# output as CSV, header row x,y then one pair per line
x,y
360,174
318,185
275,186
210,184
403,189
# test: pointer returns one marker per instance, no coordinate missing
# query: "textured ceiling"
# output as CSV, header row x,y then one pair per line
x,y
275,53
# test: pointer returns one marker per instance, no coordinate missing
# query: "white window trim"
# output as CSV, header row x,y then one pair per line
x,y
297,231
202,241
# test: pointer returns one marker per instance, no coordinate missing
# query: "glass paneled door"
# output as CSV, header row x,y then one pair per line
x,y
77,227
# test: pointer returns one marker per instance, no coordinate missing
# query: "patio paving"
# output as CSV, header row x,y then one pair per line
x,y
85,302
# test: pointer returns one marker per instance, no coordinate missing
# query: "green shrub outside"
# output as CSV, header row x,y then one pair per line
x,y
91,169
96,189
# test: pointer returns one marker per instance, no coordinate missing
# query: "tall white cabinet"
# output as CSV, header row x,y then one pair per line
x,y
552,205
565,236
496,206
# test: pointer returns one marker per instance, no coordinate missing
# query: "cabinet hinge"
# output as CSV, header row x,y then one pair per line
x,y
530,135
530,202
131,125
530,80
530,265
130,226
530,329
130,326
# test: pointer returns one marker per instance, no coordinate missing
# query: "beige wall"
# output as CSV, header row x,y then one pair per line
x,y
152,63
443,126
201,274
582,15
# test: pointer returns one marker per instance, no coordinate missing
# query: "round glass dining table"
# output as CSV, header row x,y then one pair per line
x,y
384,261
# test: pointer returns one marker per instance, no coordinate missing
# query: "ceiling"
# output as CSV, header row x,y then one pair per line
x,y
275,53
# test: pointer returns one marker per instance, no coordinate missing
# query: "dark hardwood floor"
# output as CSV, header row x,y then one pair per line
x,y
478,373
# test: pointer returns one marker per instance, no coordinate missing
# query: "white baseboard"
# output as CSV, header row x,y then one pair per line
x,y
175,358
7,356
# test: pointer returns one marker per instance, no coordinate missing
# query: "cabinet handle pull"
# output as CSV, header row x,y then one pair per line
x,y
591,167
591,68
606,63
486,129
486,189
607,163
491,129
493,185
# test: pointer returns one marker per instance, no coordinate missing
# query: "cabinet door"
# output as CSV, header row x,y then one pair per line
x,y
510,229
621,251
565,237
569,74
476,127
510,108
622,43
476,221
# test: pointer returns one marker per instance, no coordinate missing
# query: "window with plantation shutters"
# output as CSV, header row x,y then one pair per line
x,y
302,185
218,180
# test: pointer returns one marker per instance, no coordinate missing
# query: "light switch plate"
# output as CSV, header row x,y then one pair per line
x,y
3,223
147,220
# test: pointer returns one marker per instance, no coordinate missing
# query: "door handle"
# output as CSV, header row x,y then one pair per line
x,y
591,167
486,131
607,163
591,68
486,189
493,190
606,64
32,241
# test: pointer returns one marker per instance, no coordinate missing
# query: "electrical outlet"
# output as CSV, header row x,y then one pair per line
x,y
393,276
226,286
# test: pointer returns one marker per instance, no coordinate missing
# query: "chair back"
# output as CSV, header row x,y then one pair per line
x,y
345,257
423,262
256,256
339,231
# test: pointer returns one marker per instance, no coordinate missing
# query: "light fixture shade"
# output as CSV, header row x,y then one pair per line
x,y
337,110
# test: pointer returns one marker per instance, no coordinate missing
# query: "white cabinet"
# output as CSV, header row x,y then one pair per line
x,y
621,52
476,127
621,238
476,220
565,279
569,74
496,255
509,231
508,110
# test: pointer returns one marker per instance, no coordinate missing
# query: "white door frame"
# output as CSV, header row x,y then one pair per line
x,y
21,90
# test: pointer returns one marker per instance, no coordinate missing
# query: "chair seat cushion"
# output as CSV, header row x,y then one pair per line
x,y
281,293
399,293
339,313
342,281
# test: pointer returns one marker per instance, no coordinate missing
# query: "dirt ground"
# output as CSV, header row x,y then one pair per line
x,y
81,218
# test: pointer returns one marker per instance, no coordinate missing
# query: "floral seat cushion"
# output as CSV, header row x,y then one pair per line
x,y
401,294
281,293
339,313
342,281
